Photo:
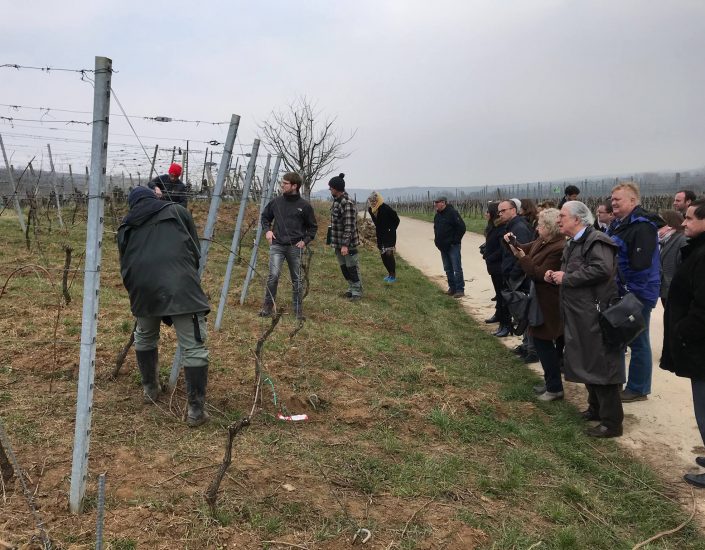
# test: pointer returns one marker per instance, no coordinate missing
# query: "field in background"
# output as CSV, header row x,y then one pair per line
x,y
422,428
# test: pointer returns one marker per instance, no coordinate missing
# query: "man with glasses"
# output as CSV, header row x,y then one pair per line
x,y
519,228
290,224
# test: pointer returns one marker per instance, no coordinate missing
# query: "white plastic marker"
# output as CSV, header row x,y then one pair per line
x,y
293,417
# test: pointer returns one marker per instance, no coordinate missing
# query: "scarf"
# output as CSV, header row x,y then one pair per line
x,y
376,201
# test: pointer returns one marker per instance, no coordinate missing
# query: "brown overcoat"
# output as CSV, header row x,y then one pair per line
x,y
540,257
589,275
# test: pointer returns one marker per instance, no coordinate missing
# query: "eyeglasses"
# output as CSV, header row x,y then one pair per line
x,y
503,210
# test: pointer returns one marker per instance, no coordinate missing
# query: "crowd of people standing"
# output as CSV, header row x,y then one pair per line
x,y
578,265
572,264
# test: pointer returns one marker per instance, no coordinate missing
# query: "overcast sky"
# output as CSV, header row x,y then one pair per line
x,y
443,92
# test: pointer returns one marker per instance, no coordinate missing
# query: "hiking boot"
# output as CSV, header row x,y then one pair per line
x,y
603,431
148,363
695,479
628,396
550,396
450,292
346,294
196,383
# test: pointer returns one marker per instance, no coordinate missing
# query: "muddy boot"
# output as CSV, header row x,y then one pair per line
x,y
148,362
196,382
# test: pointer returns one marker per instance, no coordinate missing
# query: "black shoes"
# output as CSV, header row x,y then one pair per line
x,y
520,350
589,415
603,431
700,461
458,294
628,396
698,480
493,319
531,357
502,332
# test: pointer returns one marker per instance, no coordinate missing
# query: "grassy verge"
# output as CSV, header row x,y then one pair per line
x,y
473,224
422,428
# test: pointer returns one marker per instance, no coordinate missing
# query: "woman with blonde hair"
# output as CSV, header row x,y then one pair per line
x,y
386,222
536,259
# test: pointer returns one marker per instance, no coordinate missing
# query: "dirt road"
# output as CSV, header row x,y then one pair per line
x,y
661,430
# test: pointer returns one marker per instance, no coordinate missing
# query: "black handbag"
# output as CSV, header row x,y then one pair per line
x,y
622,321
517,302
534,313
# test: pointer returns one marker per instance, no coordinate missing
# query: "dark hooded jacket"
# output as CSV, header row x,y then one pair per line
x,y
638,257
684,317
159,258
174,191
448,228
589,276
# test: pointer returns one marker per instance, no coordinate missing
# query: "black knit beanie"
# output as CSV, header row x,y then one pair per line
x,y
337,183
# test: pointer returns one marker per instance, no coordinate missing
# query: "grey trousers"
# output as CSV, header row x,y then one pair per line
x,y
191,333
350,267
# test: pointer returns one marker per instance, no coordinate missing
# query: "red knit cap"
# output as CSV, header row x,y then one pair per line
x,y
175,170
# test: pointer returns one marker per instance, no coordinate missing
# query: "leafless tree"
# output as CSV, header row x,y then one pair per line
x,y
306,139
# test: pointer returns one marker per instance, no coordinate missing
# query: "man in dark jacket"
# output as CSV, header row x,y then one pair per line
x,y
570,193
169,187
448,230
290,225
511,270
159,260
635,231
344,237
684,321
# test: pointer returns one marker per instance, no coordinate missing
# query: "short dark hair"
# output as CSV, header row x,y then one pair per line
x,y
293,177
572,190
607,205
699,206
689,195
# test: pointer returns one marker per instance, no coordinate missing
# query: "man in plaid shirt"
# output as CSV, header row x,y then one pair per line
x,y
344,237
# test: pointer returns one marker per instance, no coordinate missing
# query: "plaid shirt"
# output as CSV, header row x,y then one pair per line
x,y
343,220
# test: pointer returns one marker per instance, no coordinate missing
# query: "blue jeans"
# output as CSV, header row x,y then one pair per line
x,y
277,254
641,363
453,268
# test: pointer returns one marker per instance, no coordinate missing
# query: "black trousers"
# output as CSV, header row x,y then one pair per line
x,y
546,350
605,400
